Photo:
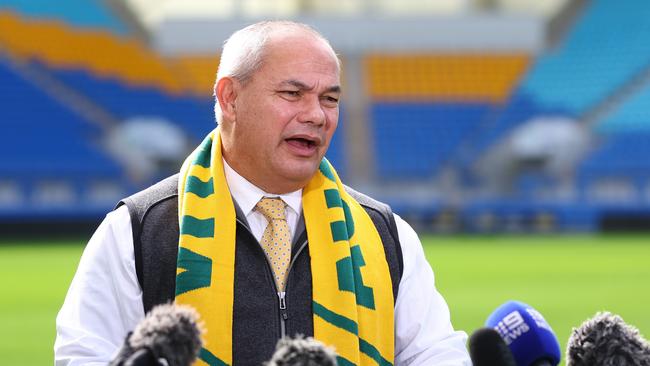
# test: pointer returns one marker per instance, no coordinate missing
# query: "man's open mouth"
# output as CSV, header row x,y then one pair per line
x,y
302,142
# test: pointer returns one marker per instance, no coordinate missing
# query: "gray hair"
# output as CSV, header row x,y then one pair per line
x,y
243,52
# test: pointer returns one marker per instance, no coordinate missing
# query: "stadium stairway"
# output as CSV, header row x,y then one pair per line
x,y
191,113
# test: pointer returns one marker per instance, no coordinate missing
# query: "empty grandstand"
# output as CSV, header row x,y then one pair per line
x,y
466,115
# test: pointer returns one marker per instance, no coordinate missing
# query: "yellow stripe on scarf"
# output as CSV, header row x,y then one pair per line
x,y
206,258
352,292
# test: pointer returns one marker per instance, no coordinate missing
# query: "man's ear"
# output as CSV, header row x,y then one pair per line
x,y
226,92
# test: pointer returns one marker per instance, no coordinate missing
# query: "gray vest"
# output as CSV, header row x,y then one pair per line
x,y
260,317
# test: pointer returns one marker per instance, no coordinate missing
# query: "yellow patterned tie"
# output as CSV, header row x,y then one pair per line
x,y
276,240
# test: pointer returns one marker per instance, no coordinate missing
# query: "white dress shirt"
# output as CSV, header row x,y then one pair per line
x,y
104,301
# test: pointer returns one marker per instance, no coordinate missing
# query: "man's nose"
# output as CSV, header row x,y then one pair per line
x,y
312,111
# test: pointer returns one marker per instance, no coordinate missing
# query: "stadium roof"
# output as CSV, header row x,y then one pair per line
x,y
172,26
152,12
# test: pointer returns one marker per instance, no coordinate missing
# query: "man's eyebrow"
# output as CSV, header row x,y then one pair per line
x,y
334,89
302,86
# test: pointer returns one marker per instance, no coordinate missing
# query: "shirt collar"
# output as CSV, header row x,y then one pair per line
x,y
246,194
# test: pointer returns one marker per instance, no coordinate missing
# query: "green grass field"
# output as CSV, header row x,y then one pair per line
x,y
567,278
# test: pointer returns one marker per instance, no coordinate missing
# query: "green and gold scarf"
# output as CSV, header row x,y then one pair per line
x,y
351,284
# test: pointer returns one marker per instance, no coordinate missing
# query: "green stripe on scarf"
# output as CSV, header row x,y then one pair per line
x,y
199,187
199,228
335,319
344,362
197,271
372,352
210,359
350,326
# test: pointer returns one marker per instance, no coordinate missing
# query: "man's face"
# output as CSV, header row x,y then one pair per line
x,y
285,115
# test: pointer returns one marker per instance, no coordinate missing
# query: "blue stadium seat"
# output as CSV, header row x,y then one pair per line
x,y
43,141
620,155
632,116
593,60
336,154
414,140
192,113
78,13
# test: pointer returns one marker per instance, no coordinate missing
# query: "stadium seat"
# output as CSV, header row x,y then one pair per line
x,y
92,14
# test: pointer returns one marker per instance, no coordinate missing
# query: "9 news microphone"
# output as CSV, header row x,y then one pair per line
x,y
529,337
606,340
487,348
168,336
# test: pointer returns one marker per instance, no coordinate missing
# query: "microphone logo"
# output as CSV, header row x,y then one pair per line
x,y
539,319
512,326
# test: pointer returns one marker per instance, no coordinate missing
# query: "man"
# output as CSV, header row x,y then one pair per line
x,y
258,233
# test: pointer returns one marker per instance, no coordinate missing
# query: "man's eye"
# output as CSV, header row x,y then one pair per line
x,y
291,93
331,100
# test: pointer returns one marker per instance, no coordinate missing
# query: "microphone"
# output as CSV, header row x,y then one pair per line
x,y
302,352
607,340
487,348
168,336
529,337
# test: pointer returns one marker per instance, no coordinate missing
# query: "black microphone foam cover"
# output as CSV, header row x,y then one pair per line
x,y
606,340
302,352
142,357
487,348
171,332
